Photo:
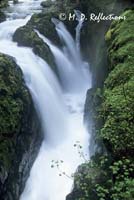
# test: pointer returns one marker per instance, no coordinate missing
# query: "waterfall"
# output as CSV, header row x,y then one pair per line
x,y
74,76
66,37
59,105
74,72
78,28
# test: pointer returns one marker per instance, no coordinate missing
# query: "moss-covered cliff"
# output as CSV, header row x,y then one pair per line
x,y
117,106
19,130
110,176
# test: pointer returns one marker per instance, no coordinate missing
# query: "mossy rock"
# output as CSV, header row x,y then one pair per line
x,y
26,36
11,87
43,23
13,100
19,130
117,106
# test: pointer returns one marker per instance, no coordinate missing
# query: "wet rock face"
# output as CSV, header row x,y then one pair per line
x,y
20,135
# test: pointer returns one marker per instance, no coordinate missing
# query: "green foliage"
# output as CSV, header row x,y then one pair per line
x,y
81,154
104,179
58,164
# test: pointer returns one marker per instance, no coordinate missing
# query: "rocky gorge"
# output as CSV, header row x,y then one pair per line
x,y
109,48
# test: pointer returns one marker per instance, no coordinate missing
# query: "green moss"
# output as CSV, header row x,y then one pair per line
x,y
118,115
42,22
13,100
117,106
108,35
122,30
27,37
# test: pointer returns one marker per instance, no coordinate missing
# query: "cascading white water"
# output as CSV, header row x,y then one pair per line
x,y
73,75
60,110
23,8
78,28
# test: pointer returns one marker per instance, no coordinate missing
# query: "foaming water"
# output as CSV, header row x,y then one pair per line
x,y
23,8
59,105
73,80
78,29
73,71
